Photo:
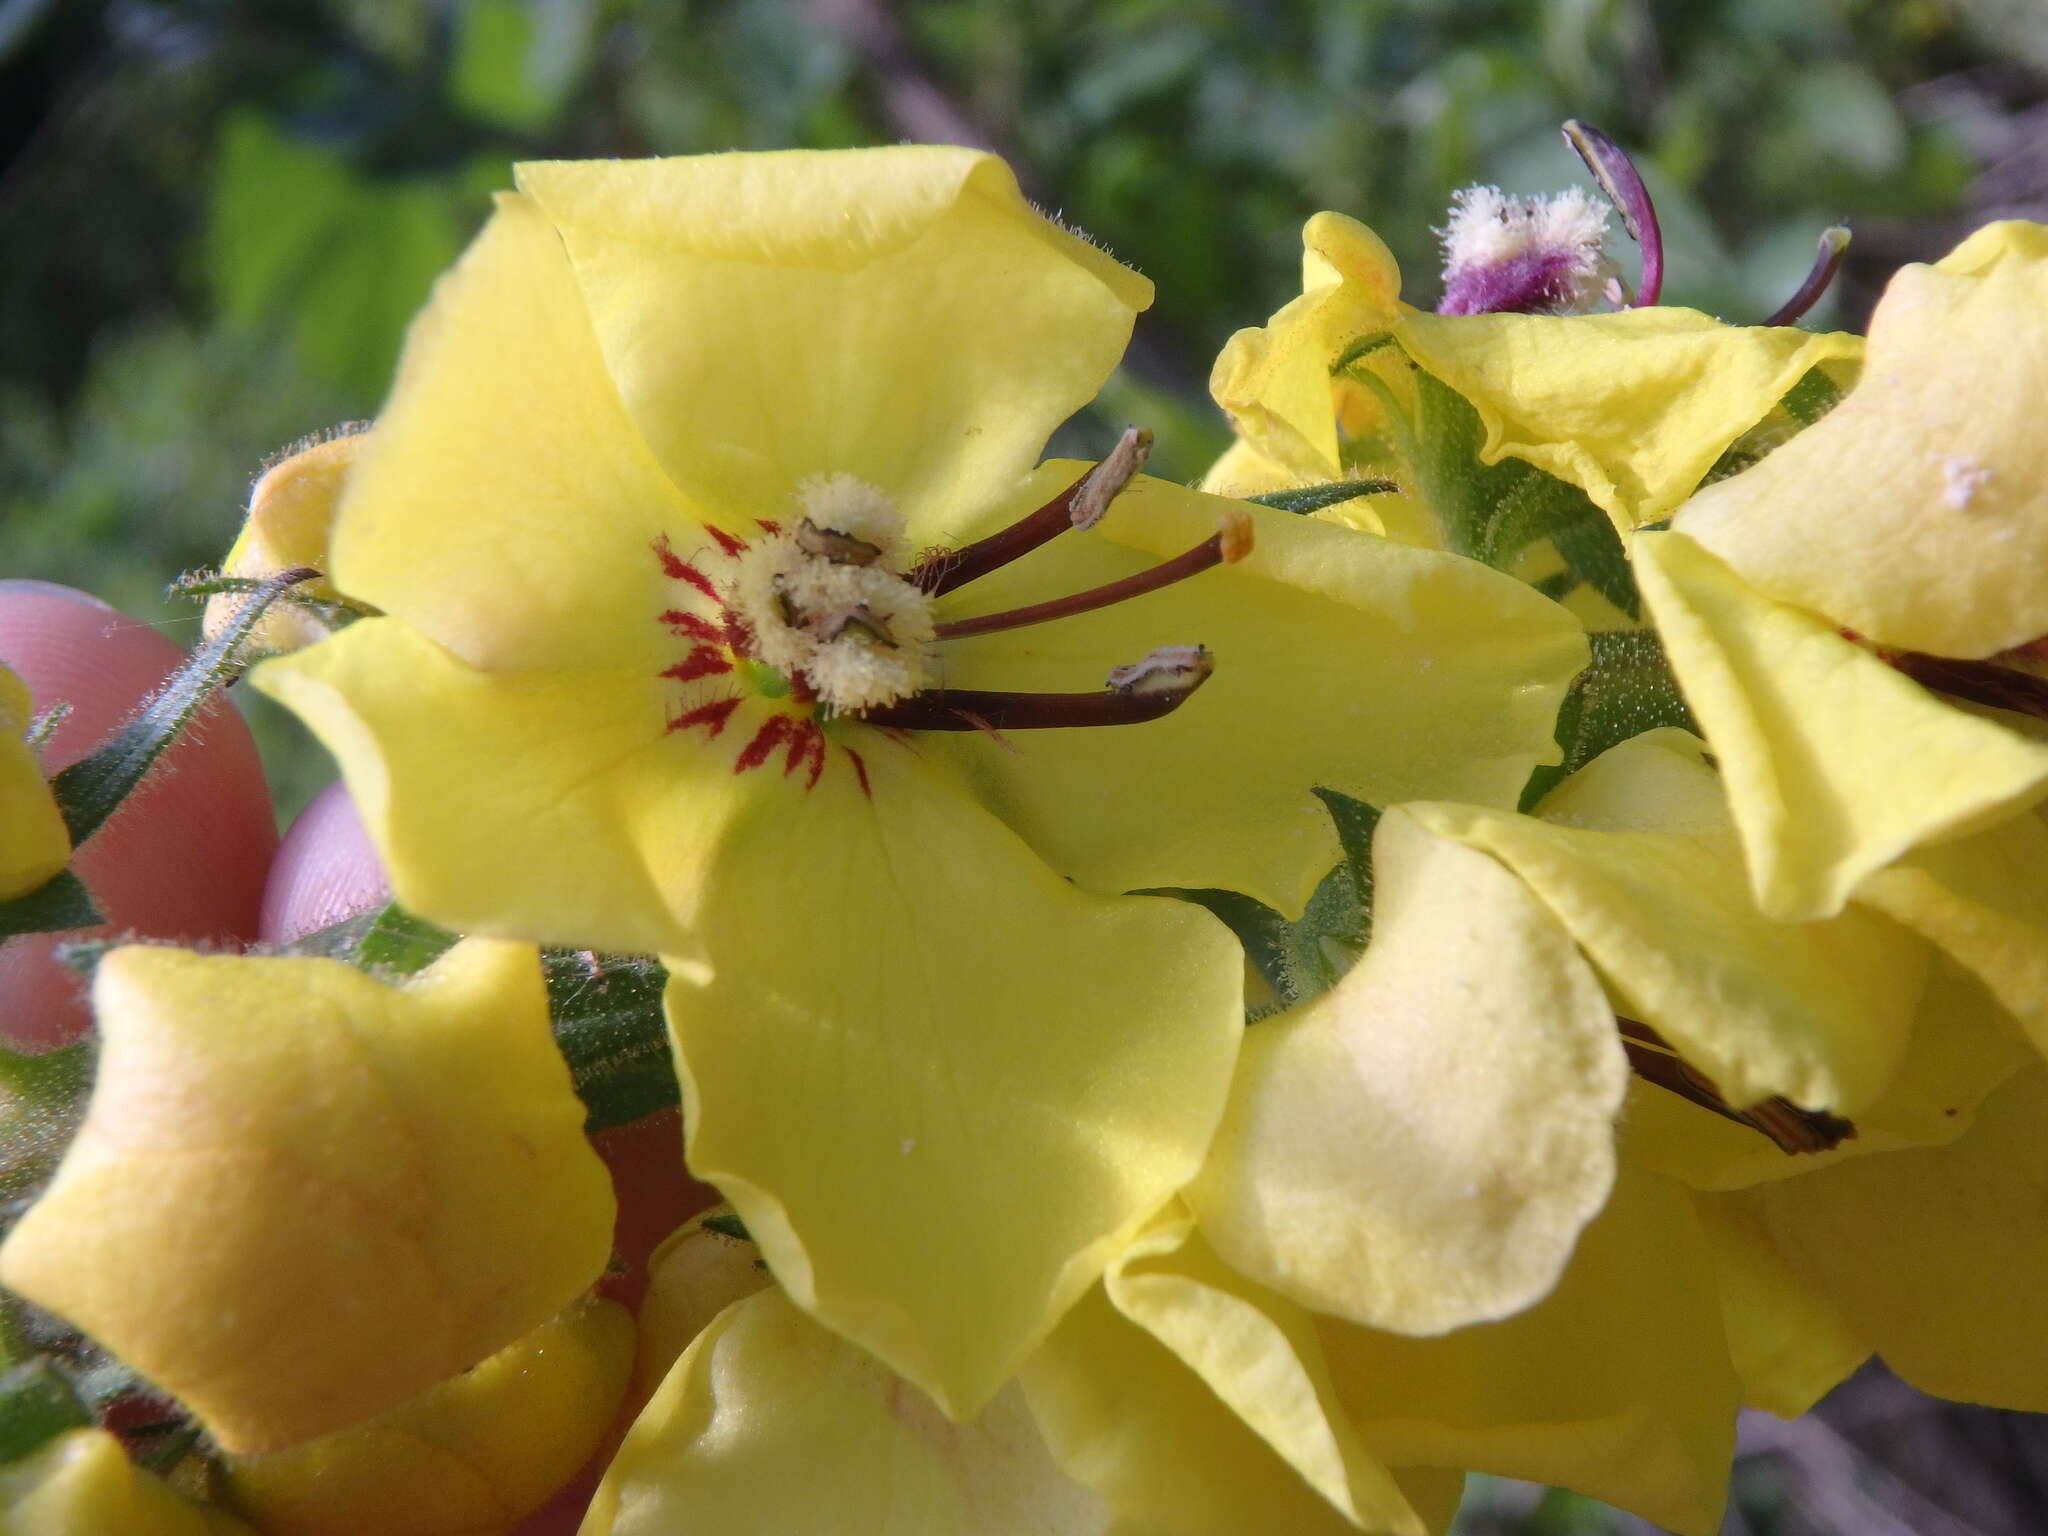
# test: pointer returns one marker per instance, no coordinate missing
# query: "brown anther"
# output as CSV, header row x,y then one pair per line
x,y
1235,532
1789,1127
830,544
1094,494
830,626
950,569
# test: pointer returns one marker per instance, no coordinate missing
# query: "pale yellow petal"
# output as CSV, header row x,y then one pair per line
x,y
1834,763
1260,1354
1632,407
1938,1257
34,844
1617,1385
769,1425
83,1484
1419,1147
1818,1012
696,1273
942,1085
1382,671
366,1163
1916,512
901,315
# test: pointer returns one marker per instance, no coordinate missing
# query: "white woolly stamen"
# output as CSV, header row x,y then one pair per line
x,y
848,505
1487,228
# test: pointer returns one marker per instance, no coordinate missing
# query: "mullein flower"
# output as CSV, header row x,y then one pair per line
x,y
300,1197
34,844
704,519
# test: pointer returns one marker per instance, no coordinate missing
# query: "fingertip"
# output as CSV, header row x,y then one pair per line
x,y
326,869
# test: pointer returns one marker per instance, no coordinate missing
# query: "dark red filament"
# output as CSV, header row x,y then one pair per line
x,y
940,573
1981,682
1188,563
1619,180
970,709
1834,245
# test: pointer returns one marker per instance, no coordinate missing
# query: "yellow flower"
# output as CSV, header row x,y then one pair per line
x,y
670,665
83,1484
291,512
300,1197
469,1457
33,842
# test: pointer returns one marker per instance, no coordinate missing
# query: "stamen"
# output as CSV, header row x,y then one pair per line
x,y
1789,1128
1080,505
1981,682
1231,543
1148,689
839,548
1617,176
1834,244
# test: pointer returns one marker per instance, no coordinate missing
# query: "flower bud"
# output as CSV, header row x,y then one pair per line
x,y
291,508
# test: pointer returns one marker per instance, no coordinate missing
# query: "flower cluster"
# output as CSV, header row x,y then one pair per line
x,y
1508,925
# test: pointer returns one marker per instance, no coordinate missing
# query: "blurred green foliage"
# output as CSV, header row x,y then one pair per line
x,y
217,215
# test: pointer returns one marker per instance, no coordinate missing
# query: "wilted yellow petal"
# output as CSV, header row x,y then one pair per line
x,y
367,1165
83,1484
1660,903
467,1458
1260,1355
941,1084
1985,901
1937,1257
1788,1343
1617,1384
769,1425
1418,1147
1834,763
291,513
1917,512
33,842
1382,671
1631,407
768,317
1273,381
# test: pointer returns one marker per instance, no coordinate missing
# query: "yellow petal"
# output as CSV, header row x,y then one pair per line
x,y
1419,1147
1985,901
469,1457
770,1425
942,1085
1938,1257
1261,1356
1273,381
506,505
901,315
1834,763
1917,512
83,1484
1617,1385
367,1163
1385,672
1962,1045
1818,1012
291,514
34,844
585,785
1631,407
695,1274
1788,1343
1128,1420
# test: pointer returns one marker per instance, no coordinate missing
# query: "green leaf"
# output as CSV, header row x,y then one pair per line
x,y
1812,397
728,1224
1592,552
1356,822
37,1404
88,791
608,1023
1313,498
514,60
60,902
1262,931
1327,939
54,1080
397,941
1626,689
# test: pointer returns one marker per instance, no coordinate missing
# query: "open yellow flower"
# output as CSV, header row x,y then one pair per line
x,y
33,842
300,1197
670,665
